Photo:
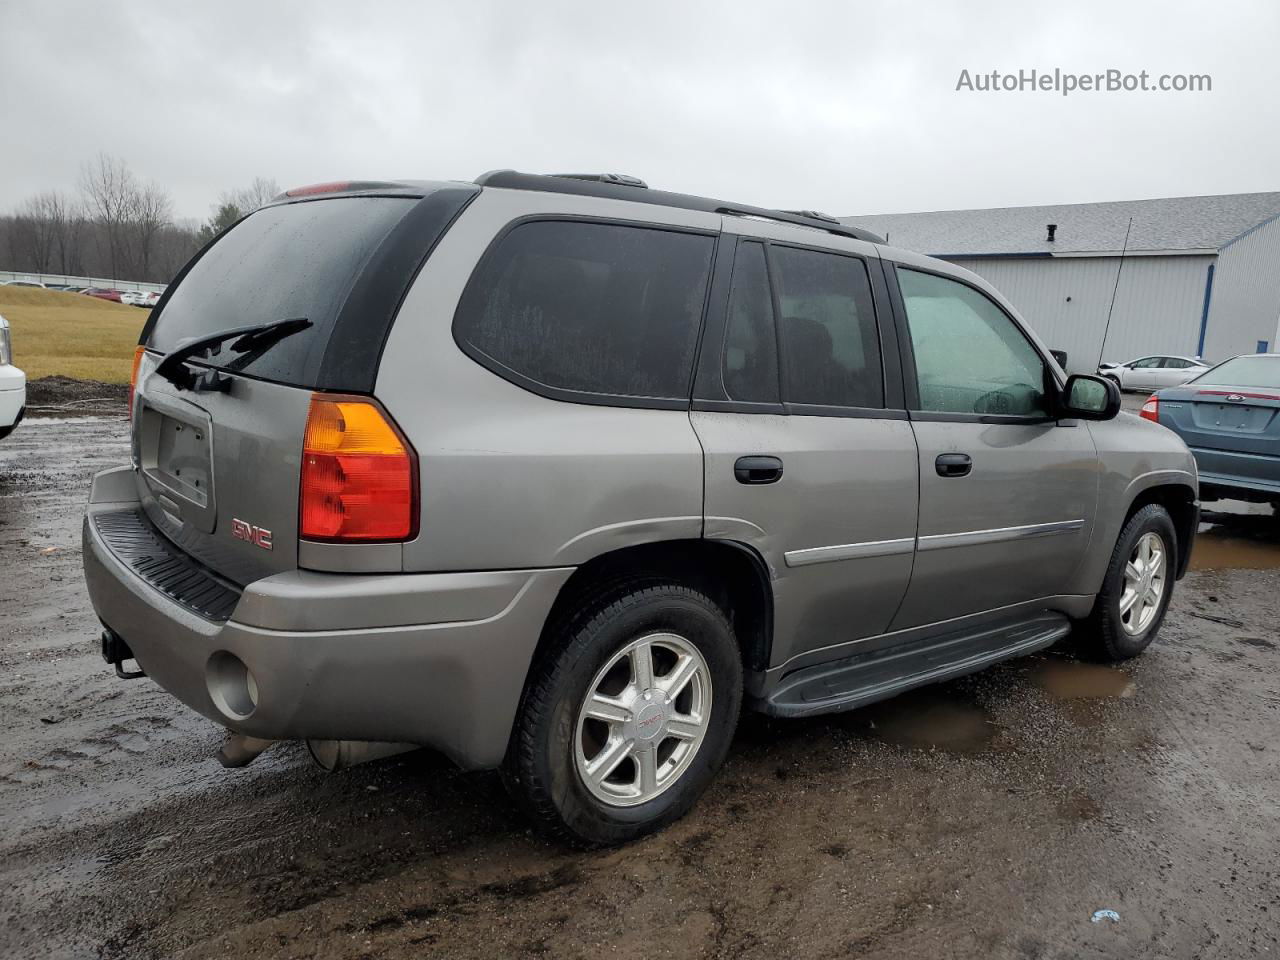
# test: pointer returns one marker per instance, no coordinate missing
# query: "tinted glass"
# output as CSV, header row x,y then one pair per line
x,y
1244,372
828,327
970,356
1150,363
1176,363
295,260
750,349
590,307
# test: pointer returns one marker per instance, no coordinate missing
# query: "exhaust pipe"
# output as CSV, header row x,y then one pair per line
x,y
241,750
333,755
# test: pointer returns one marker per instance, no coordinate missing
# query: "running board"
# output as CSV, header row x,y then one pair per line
x,y
878,674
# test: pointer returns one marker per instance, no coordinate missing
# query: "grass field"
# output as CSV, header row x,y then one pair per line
x,y
71,335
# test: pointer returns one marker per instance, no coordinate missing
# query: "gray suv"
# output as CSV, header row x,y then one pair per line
x,y
555,474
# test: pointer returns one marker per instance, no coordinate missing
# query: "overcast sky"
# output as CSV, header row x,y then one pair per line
x,y
846,107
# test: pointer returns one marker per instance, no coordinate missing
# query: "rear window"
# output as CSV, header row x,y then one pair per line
x,y
591,310
1244,372
295,260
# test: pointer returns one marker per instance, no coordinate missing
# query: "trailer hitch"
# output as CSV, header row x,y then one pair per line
x,y
115,651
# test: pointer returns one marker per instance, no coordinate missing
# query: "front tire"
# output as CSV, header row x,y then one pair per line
x,y
628,715
1136,590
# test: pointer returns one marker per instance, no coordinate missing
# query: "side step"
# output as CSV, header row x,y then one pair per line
x,y
878,674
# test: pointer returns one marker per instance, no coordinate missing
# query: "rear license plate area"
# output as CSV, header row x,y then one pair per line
x,y
184,459
175,454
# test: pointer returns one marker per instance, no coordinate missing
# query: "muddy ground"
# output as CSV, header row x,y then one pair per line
x,y
69,397
989,817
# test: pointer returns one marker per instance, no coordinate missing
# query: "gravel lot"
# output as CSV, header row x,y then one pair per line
x,y
987,817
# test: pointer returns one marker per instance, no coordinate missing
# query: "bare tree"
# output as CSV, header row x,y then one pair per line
x,y
149,212
35,230
259,193
66,220
109,189
234,204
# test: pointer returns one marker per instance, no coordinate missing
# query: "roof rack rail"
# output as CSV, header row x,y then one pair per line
x,y
615,186
619,178
813,215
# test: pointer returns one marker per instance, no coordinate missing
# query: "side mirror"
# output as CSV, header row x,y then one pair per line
x,y
1090,398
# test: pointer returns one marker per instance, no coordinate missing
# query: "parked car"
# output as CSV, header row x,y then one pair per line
x,y
103,293
24,283
1151,373
557,474
1230,418
13,385
138,298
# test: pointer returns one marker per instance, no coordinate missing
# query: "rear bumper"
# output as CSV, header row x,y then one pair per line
x,y
434,659
1245,472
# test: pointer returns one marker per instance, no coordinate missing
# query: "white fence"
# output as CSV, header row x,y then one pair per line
x,y
65,281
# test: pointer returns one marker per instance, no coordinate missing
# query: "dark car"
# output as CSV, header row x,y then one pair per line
x,y
1230,418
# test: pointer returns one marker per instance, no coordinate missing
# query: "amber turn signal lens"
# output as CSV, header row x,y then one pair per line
x,y
358,474
133,376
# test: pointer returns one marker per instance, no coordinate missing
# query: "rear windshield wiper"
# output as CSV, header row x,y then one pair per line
x,y
257,338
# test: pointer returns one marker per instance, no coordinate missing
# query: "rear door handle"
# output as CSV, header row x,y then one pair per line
x,y
758,469
953,465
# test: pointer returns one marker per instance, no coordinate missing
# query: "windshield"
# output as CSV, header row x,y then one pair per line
x,y
1254,371
294,260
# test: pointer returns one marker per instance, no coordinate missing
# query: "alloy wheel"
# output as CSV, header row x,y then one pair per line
x,y
1144,578
643,719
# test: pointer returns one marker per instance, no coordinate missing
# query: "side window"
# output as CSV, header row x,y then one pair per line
x,y
750,346
970,356
1150,363
590,307
1175,363
830,346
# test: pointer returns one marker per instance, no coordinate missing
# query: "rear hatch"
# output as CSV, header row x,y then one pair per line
x,y
1231,418
217,437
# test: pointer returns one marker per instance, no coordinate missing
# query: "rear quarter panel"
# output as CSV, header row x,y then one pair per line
x,y
511,479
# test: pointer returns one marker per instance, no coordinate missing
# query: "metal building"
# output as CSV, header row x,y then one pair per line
x,y
1199,276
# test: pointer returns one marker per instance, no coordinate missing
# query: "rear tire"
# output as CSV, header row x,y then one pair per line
x,y
1136,590
628,715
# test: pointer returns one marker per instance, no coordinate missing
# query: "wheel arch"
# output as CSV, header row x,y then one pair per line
x,y
730,572
1179,499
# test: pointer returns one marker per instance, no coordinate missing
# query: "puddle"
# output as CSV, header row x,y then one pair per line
x,y
1237,541
930,719
1071,680
1216,549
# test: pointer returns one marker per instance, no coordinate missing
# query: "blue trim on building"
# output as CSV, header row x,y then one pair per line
x,y
1204,313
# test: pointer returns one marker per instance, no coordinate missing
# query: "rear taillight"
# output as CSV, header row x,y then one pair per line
x,y
133,376
1151,409
359,475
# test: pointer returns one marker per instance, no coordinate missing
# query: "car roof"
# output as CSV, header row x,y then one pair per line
x,y
610,186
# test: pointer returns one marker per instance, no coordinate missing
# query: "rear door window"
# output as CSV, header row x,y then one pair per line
x,y
282,262
589,311
830,342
